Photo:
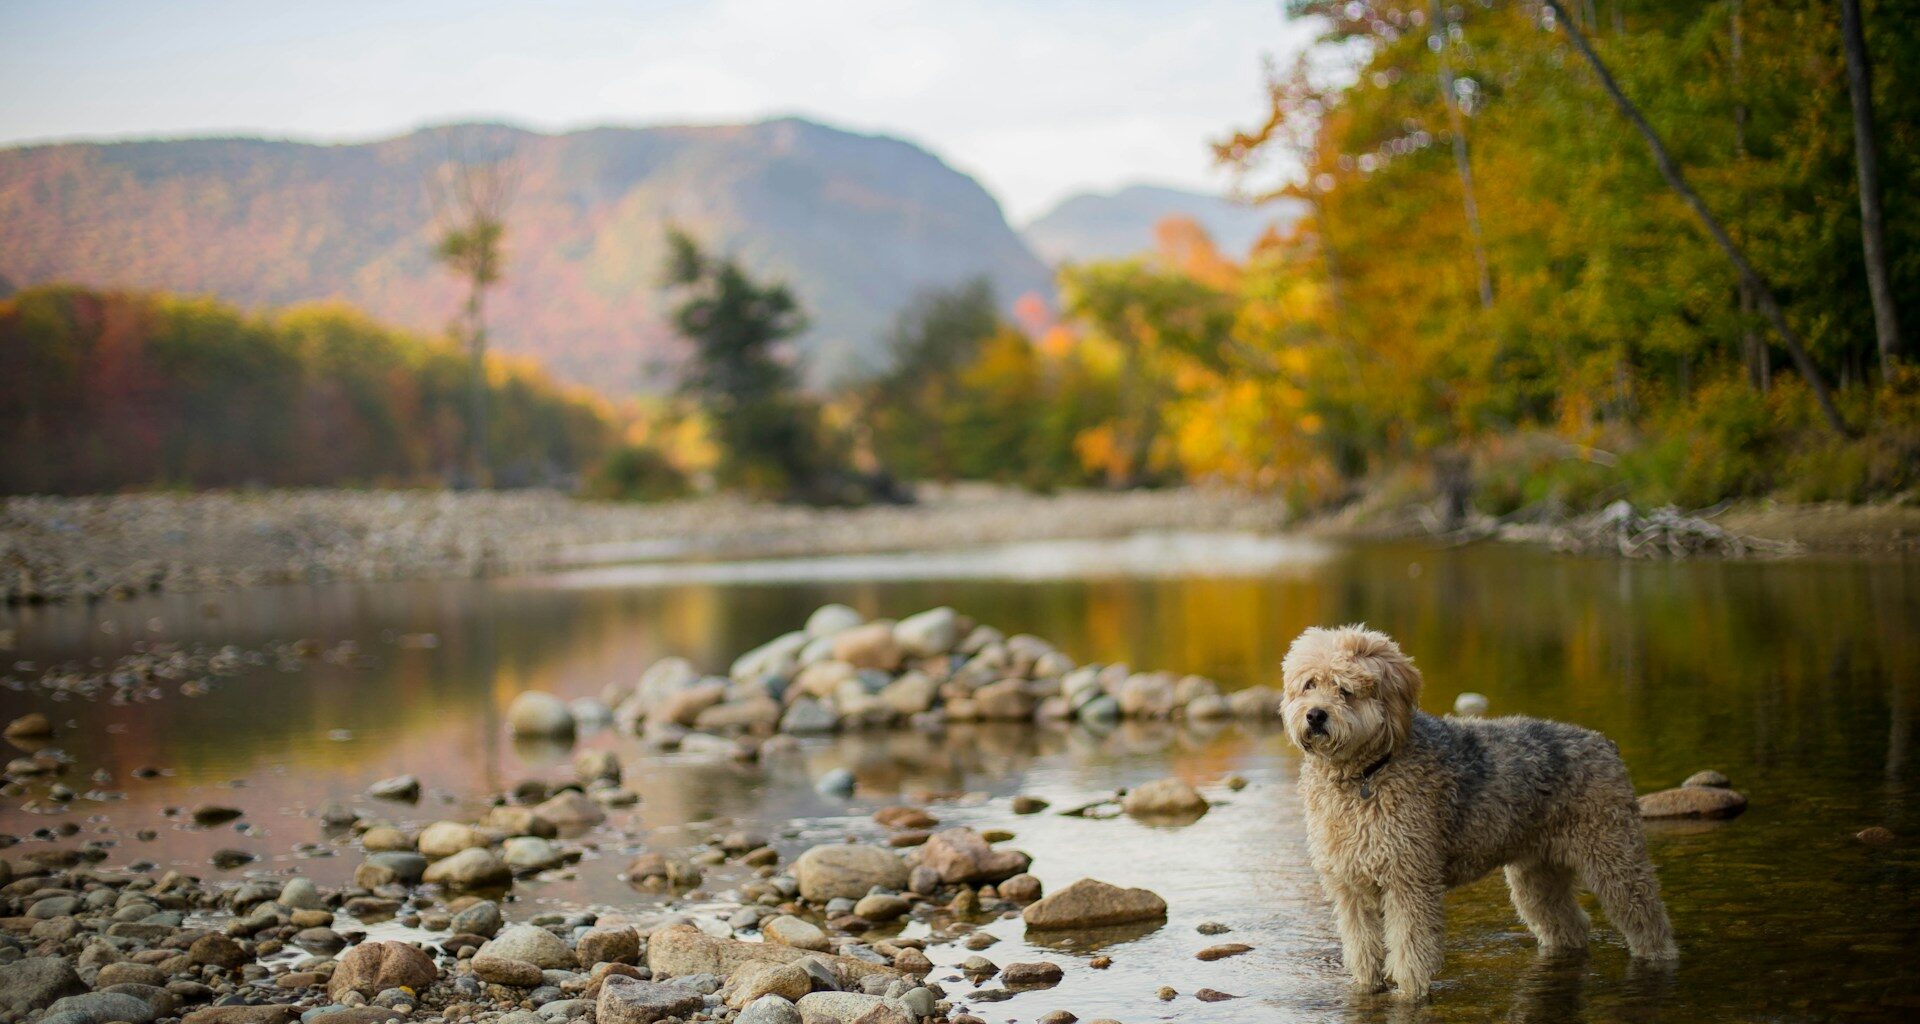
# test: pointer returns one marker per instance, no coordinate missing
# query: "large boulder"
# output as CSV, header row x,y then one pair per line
x,y
1090,903
625,1000
533,944
373,967
963,855
36,981
683,949
538,713
847,870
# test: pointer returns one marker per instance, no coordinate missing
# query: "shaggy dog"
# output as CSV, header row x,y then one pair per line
x,y
1402,806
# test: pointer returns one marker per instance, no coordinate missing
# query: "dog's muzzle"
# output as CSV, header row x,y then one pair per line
x,y
1317,722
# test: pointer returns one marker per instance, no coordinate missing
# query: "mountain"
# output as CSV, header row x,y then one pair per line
x,y
1093,226
855,223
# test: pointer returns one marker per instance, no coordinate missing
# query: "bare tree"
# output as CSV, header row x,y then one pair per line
x,y
1762,293
471,197
1456,119
1866,150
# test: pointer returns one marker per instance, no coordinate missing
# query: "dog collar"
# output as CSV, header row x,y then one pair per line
x,y
1366,777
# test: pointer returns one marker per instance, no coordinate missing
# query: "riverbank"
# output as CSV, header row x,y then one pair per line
x,y
56,549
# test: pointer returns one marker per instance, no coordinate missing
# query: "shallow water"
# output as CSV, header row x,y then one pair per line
x,y
1798,679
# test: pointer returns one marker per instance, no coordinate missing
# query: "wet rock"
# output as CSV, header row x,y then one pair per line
x,y
1042,974
374,967
1021,888
1058,1017
1212,928
1028,805
1708,777
320,941
847,870
904,817
519,821
595,765
788,930
881,907
770,1009
500,970
216,950
30,726
1089,903
531,853
1470,704
301,894
755,981
571,808
385,839
682,950
657,870
963,855
1876,835
1222,951
470,869
607,945
209,815
1166,993
870,645
1212,995
1165,799
36,981
102,1008
404,788
537,713
446,838
836,782
481,918
808,716
390,869
625,1000
229,858
533,944
929,633
1693,802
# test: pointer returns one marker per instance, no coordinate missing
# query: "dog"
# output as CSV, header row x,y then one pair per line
x,y
1402,806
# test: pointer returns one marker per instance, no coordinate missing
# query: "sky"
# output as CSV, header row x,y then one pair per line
x,y
1038,99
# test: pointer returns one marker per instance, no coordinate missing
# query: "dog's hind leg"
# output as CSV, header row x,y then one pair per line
x,y
1361,944
1543,893
1613,863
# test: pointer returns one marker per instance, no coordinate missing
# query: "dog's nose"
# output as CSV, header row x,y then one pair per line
x,y
1317,719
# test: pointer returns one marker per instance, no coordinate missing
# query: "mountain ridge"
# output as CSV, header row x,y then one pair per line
x,y
1119,223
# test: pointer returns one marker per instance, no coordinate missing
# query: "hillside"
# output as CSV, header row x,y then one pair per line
x,y
1093,226
855,223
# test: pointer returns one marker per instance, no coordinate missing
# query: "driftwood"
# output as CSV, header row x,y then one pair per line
x,y
1664,532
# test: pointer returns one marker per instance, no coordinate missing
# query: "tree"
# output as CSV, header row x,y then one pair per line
x,y
1873,231
768,436
937,335
472,198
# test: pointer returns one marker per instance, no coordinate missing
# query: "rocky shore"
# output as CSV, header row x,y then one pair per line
x,y
57,549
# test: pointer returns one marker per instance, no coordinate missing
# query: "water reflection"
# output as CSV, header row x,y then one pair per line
x,y
1793,678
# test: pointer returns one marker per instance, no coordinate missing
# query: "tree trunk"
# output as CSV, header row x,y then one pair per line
x,y
1866,149
1678,182
1437,40
1753,351
479,460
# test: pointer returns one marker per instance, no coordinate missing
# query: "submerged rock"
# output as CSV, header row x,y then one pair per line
x,y
1693,802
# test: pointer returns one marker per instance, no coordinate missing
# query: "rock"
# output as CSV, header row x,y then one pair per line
x,y
129,973
373,967
1212,928
1004,701
533,944
625,1000
228,858
1209,707
1693,802
519,821
481,918
1222,951
500,970
881,907
267,1014
209,815
470,869
1147,695
571,808
320,941
1021,888
1059,1017
594,765
847,870
904,817
770,1009
829,619
446,838
1212,995
531,854
1708,777
404,788
538,713
755,981
301,894
838,1007
1470,704
750,714
1876,835
36,981
836,782
1165,799
1035,975
683,949
929,633
870,645
684,707
788,930
217,950
808,715
1028,805
31,726
1089,903
386,839
963,855
1254,702
911,694
607,945
390,869
777,657
657,869
102,1008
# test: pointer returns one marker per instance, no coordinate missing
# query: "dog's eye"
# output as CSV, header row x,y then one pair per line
x,y
1346,694
1309,686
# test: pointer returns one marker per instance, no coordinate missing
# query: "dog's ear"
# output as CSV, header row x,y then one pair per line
x,y
1396,679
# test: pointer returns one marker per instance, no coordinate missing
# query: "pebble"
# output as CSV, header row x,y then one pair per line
x,y
1223,951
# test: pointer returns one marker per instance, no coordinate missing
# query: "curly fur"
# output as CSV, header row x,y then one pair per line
x,y
1452,800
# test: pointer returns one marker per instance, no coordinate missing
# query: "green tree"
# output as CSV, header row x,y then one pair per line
x,y
908,405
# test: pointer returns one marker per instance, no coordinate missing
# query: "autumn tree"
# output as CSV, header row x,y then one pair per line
x,y
472,196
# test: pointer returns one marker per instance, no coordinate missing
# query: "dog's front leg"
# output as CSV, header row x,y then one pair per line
x,y
1416,929
1362,944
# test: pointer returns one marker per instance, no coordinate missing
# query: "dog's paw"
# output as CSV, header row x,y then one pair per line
x,y
1412,993
1367,987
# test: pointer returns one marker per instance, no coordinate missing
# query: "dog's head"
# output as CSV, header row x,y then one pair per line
x,y
1350,694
